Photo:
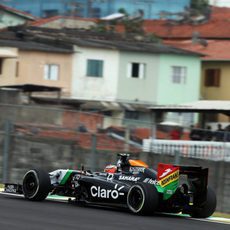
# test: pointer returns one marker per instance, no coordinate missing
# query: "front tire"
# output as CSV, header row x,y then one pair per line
x,y
36,185
208,208
142,199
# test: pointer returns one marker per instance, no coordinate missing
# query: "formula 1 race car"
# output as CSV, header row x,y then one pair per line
x,y
128,184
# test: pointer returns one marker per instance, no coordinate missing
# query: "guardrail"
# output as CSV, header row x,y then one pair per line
x,y
209,150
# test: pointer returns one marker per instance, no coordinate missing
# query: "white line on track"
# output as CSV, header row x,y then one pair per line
x,y
219,220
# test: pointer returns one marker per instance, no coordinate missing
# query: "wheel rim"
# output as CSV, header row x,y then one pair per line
x,y
30,184
136,199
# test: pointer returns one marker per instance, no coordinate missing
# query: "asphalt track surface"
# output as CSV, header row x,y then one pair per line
x,y
18,213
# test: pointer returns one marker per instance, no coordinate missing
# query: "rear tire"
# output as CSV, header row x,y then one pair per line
x,y
142,199
36,185
208,208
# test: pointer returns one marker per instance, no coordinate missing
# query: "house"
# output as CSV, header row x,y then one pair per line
x,y
26,62
117,66
211,39
135,72
215,70
122,76
12,17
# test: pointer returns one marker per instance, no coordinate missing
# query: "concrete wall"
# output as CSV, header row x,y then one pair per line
x,y
216,93
138,89
8,19
28,68
69,23
189,87
95,88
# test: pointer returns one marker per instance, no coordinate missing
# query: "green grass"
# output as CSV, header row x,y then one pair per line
x,y
220,214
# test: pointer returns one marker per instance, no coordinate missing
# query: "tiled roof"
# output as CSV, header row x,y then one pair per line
x,y
114,41
30,45
48,39
17,12
213,50
217,27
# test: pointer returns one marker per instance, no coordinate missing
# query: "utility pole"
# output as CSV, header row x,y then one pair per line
x,y
127,138
149,3
93,151
41,8
6,148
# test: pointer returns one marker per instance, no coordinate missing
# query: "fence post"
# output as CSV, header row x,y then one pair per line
x,y
93,151
127,139
6,147
177,157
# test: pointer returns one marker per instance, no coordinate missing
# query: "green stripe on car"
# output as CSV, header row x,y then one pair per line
x,y
66,177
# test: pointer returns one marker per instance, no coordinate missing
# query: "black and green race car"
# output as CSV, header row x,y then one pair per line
x,y
129,184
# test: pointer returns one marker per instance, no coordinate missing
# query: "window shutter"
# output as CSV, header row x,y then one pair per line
x,y
46,72
142,71
129,70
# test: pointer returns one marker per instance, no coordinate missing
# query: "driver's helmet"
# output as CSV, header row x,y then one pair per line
x,y
110,169
123,162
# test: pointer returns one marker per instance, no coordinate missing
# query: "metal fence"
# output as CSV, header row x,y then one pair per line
x,y
208,150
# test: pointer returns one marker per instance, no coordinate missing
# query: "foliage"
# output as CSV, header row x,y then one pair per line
x,y
132,26
199,5
122,11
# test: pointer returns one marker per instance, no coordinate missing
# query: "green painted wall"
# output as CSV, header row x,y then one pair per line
x,y
172,93
157,86
134,89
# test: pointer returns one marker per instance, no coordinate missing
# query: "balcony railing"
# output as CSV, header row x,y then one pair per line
x,y
209,150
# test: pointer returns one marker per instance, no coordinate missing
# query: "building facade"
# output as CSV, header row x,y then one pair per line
x,y
49,69
135,76
97,8
123,77
13,17
129,77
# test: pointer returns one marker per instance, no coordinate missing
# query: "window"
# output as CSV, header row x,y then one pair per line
x,y
94,68
50,13
17,69
1,66
51,72
95,12
179,74
212,77
136,70
132,115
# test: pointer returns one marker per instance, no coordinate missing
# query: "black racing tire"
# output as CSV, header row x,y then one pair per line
x,y
208,208
142,199
36,185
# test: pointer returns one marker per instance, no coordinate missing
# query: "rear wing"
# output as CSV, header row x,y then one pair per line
x,y
198,181
170,177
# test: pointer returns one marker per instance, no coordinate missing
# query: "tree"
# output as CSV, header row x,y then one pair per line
x,y
199,5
